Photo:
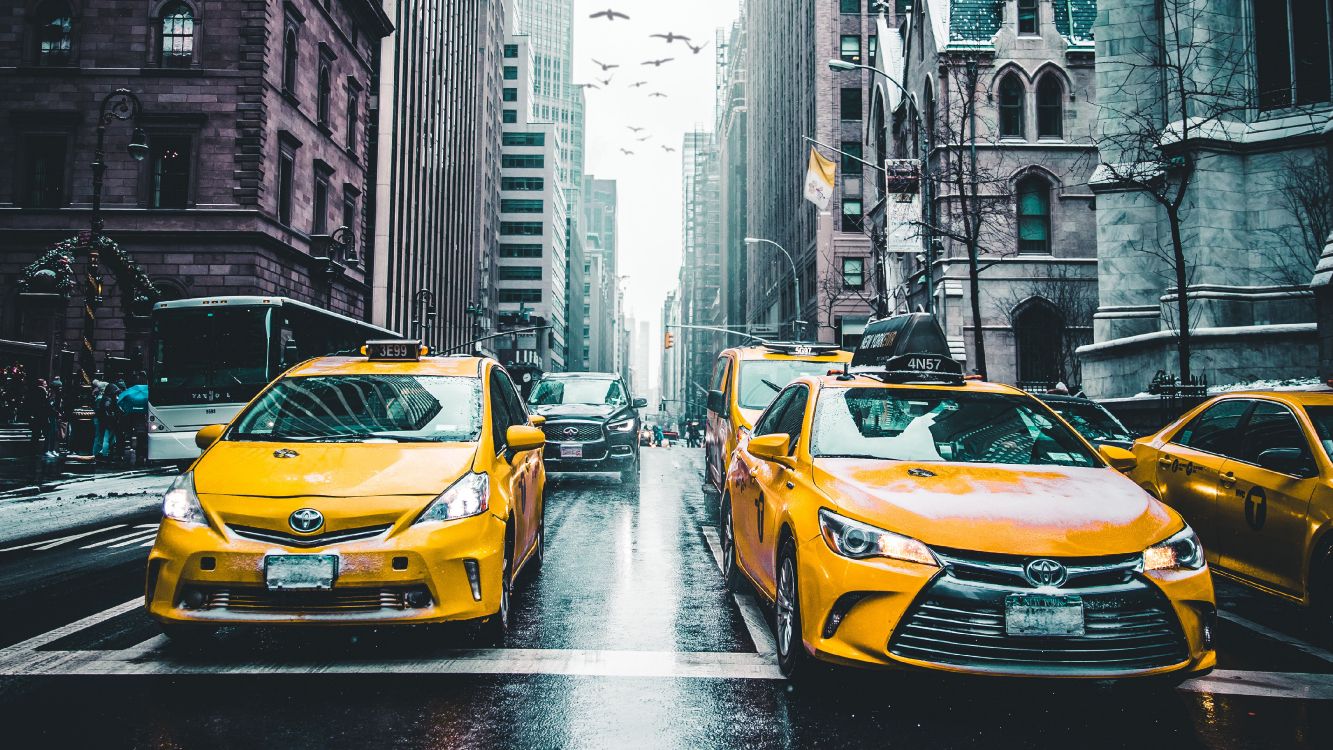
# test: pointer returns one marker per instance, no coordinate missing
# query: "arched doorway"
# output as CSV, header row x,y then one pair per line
x,y
1038,337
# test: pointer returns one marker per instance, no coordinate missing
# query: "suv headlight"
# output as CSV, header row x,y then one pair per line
x,y
860,540
180,503
622,425
469,496
1180,551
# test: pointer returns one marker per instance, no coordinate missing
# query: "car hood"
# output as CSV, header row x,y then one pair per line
x,y
331,469
1028,510
579,411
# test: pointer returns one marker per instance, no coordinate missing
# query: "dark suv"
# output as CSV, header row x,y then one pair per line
x,y
591,423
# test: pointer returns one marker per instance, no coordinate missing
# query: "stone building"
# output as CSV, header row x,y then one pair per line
x,y
598,300
1030,63
1260,103
701,266
257,116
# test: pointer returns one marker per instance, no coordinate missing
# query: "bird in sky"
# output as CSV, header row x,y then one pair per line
x,y
696,50
635,128
605,66
587,86
658,95
626,152
605,81
668,149
637,84
658,63
671,37
646,137
609,14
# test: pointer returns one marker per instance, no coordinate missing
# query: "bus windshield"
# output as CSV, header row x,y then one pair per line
x,y
210,355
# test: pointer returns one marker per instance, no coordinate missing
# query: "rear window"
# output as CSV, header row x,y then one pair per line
x,y
761,379
1322,416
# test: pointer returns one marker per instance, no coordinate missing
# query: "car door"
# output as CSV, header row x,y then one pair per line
x,y
1263,504
775,481
718,430
1190,463
527,467
507,476
748,478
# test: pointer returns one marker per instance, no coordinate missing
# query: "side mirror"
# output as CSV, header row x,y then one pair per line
x,y
774,447
640,403
1120,459
208,435
536,420
521,437
717,403
1286,461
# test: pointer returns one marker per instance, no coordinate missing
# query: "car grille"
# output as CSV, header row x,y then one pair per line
x,y
584,432
351,599
1007,570
1129,627
319,540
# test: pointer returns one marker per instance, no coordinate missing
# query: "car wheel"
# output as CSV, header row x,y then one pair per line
x,y
1321,590
793,660
727,532
495,629
631,475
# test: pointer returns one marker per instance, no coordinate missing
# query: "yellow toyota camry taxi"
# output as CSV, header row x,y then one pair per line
x,y
384,488
1253,473
900,516
745,380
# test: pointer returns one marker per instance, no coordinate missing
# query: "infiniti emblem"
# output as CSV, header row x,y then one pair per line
x,y
285,453
1044,572
571,432
306,520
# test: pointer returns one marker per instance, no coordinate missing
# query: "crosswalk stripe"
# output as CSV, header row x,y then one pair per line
x,y
136,540
751,614
137,534
45,544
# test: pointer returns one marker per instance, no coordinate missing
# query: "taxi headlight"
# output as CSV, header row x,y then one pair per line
x,y
860,540
1180,551
624,425
468,496
180,503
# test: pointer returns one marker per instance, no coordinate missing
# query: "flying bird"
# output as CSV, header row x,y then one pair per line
x,y
668,149
658,63
671,37
636,128
638,84
586,86
605,66
658,95
606,81
626,152
609,14
696,50
646,137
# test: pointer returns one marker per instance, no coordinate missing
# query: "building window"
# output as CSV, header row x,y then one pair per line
x,y
1050,107
521,228
175,48
520,295
290,53
324,95
510,94
522,183
170,170
522,161
849,6
54,34
1038,332
1011,107
851,214
520,250
853,272
511,51
350,220
850,48
44,171
1291,52
851,151
1034,216
320,222
286,183
521,205
524,139
520,273
509,116
1027,16
353,113
851,103
872,46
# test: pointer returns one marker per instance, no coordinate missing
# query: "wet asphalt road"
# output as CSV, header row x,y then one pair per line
x,y
627,638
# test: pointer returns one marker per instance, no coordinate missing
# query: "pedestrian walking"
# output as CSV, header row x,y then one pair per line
x,y
99,422
58,432
37,411
107,413
657,435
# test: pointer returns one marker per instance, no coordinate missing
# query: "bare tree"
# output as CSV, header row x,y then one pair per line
x,y
1074,300
1303,190
833,292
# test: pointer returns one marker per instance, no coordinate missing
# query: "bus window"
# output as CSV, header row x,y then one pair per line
x,y
210,355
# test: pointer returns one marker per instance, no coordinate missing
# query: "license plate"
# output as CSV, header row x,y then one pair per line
x,y
300,572
571,451
1040,614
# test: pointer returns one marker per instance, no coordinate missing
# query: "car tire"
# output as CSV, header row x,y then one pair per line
x,y
631,475
494,630
1321,590
795,663
726,531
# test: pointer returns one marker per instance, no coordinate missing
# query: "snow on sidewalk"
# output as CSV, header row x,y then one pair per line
x,y
80,502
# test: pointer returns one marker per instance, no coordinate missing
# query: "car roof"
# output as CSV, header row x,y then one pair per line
x,y
570,375
751,353
867,381
1321,397
1064,399
468,367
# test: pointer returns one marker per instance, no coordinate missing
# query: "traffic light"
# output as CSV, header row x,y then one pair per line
x,y
668,340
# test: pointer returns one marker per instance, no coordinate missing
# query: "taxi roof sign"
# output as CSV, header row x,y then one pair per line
x,y
800,348
393,350
907,348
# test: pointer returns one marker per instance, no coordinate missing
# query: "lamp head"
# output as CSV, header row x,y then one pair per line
x,y
836,65
138,146
752,240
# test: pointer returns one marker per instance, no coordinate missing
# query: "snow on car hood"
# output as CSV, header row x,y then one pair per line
x,y
1030,510
331,469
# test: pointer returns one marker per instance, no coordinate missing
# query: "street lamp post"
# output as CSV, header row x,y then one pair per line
x,y
120,104
923,151
795,279
423,312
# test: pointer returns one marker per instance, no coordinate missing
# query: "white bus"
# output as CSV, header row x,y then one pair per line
x,y
211,355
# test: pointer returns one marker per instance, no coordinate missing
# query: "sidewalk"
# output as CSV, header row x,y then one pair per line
x,y
72,502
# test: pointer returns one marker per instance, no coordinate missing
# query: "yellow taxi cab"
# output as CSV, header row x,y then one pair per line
x,y
390,487
745,380
900,516
1253,473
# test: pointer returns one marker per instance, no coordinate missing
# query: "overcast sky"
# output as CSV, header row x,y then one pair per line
x,y
649,181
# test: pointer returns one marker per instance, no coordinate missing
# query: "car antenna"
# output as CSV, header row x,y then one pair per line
x,y
846,371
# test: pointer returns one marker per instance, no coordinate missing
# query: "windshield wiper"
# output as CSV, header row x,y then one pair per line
x,y
771,384
356,436
272,437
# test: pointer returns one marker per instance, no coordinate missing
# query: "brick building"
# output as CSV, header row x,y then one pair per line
x,y
257,117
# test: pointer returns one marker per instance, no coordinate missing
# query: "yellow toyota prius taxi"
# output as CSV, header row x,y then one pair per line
x,y
898,516
385,488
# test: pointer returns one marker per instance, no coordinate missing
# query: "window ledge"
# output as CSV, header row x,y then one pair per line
x,y
291,98
158,70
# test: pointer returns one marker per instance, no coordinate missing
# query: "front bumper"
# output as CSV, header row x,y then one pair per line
x,y
197,574
904,615
610,451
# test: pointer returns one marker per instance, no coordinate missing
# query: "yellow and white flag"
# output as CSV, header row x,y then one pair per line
x,y
819,180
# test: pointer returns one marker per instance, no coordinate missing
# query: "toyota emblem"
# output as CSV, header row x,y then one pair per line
x,y
285,453
306,520
1044,572
570,432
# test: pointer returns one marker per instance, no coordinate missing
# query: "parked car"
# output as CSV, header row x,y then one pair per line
x,y
1092,420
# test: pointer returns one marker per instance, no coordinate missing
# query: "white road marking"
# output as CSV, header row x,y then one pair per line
x,y
137,540
45,544
23,647
1292,685
755,622
1308,648
136,535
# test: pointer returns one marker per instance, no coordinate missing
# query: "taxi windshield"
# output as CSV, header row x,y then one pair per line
x,y
951,426
761,379
1322,416
1091,420
597,391
337,408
